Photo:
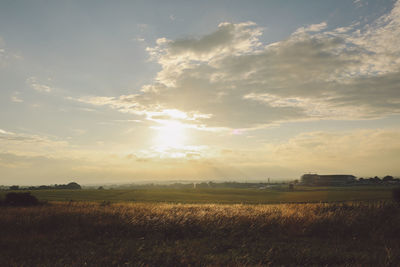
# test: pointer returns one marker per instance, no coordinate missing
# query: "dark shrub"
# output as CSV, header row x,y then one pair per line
x,y
73,185
396,195
20,199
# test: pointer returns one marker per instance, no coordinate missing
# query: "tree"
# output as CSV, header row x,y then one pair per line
x,y
73,185
14,187
377,179
387,178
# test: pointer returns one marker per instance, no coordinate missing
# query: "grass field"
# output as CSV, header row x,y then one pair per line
x,y
357,226
149,234
222,196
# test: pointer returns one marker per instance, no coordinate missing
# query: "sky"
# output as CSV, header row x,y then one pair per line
x,y
142,91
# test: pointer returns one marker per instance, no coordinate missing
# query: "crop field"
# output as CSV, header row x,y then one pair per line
x,y
222,195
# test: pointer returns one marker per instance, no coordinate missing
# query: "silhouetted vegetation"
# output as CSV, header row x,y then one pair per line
x,y
396,194
291,187
71,186
20,199
388,178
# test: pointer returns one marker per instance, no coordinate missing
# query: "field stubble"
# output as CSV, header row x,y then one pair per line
x,y
88,233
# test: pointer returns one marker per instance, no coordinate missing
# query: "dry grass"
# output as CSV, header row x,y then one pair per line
x,y
84,233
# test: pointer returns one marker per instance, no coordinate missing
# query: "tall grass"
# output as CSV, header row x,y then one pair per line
x,y
135,234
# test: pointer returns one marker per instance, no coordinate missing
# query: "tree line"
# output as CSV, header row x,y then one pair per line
x,y
71,185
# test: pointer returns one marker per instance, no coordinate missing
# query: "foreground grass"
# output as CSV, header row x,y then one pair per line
x,y
84,233
222,195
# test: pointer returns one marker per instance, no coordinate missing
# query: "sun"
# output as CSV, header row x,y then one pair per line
x,y
170,135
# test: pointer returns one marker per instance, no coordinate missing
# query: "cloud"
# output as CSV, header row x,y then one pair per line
x,y
7,55
3,132
359,3
30,145
140,39
178,55
2,51
15,97
38,86
312,28
4,54
228,39
230,79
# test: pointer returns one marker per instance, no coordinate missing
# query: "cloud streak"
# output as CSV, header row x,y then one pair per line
x,y
38,86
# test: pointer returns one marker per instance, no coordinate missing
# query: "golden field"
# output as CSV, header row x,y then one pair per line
x,y
153,234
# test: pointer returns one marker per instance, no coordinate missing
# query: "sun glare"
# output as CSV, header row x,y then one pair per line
x,y
170,135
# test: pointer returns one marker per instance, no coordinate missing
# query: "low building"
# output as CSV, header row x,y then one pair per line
x,y
332,179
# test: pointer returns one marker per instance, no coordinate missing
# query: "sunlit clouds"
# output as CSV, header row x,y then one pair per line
x,y
235,81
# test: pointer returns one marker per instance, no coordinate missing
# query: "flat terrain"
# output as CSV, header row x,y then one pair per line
x,y
279,194
352,226
149,234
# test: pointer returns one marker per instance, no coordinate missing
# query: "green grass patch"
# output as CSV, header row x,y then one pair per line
x,y
222,196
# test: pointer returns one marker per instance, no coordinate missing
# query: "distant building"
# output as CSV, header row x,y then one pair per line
x,y
333,179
